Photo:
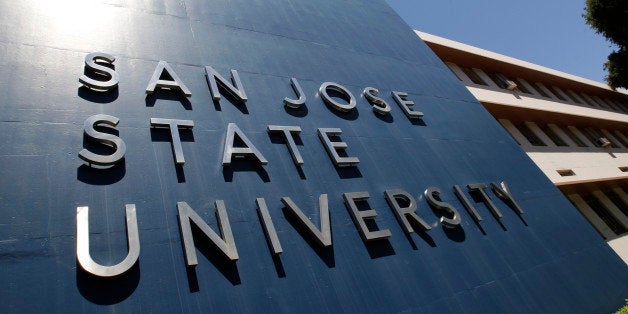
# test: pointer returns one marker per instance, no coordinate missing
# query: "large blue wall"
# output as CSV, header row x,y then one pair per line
x,y
549,260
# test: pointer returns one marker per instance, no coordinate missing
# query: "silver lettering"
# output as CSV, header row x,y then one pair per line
x,y
292,146
174,84
467,204
103,138
400,98
82,244
110,74
431,194
359,217
268,226
226,244
174,126
379,105
333,147
236,90
322,236
403,213
479,188
329,101
248,150
503,192
295,104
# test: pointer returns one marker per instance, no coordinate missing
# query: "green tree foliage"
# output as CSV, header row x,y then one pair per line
x,y
623,310
610,18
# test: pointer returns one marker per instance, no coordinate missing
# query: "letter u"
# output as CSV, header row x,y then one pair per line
x,y
82,244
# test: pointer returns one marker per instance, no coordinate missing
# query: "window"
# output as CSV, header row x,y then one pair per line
x,y
608,135
450,66
573,96
607,103
574,137
502,81
566,173
623,169
529,135
623,105
512,136
558,93
552,135
615,199
522,87
603,213
597,138
617,105
589,101
601,102
593,136
540,90
475,78
620,137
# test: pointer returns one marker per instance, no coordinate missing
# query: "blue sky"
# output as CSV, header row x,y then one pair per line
x,y
551,33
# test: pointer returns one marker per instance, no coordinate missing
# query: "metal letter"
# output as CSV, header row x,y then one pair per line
x,y
226,244
292,147
82,244
467,204
332,147
174,84
103,138
341,90
479,187
267,225
291,103
322,236
431,194
111,74
174,126
359,216
236,90
400,98
379,105
248,149
504,193
403,213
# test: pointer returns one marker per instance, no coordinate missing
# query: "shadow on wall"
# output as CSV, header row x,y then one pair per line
x,y
89,175
151,99
107,291
228,268
244,165
326,254
97,96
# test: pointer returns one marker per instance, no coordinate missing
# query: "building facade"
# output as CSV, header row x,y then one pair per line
x,y
279,156
574,129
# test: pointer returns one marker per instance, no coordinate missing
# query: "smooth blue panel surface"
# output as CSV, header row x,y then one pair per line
x,y
548,260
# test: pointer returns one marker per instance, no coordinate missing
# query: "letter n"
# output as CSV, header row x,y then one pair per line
x,y
225,244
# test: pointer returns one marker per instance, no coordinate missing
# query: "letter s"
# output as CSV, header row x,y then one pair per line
x,y
90,62
103,138
431,194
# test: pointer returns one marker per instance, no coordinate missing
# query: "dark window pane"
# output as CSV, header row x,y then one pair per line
x,y
558,95
532,138
522,87
618,136
475,78
573,97
617,201
574,137
552,135
603,213
540,90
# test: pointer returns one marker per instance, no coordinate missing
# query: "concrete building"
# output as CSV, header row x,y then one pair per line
x,y
277,156
574,129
